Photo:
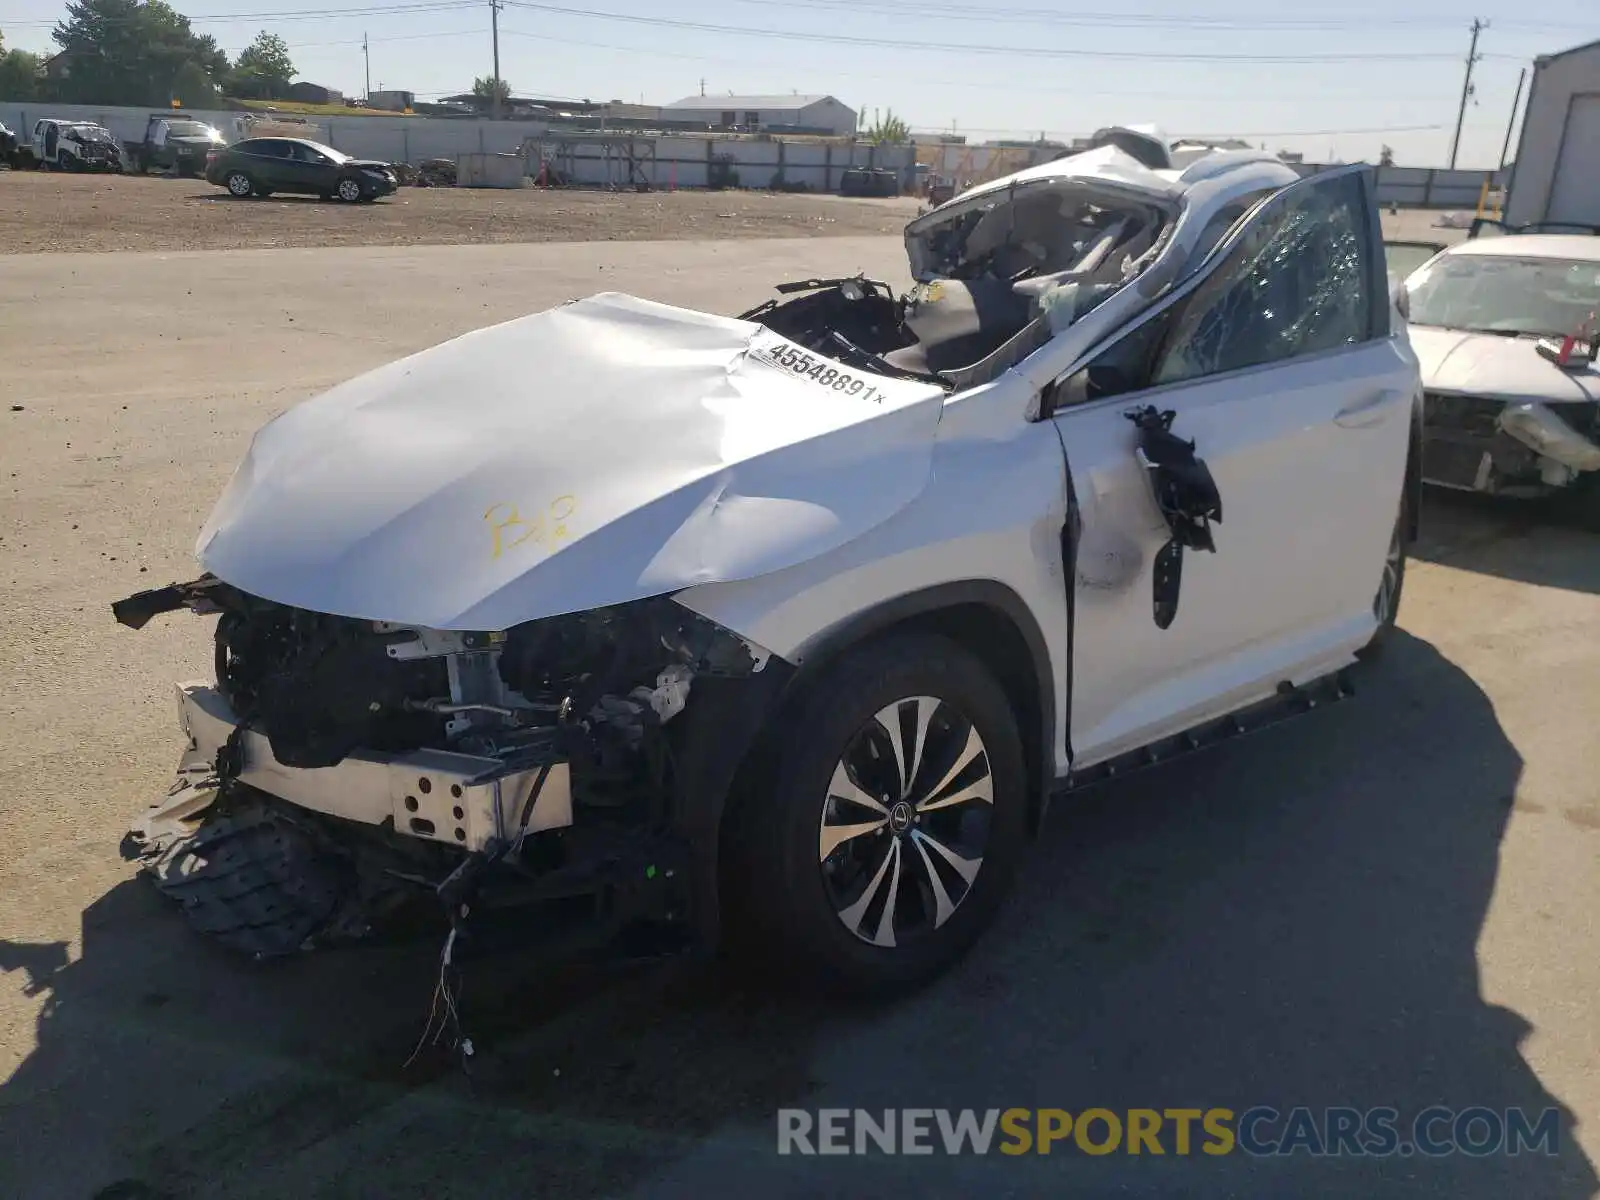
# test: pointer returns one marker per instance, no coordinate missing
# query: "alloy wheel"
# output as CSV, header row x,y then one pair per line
x,y
1385,603
906,821
239,184
349,190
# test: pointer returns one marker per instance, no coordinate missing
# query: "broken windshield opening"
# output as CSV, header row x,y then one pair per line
x,y
996,279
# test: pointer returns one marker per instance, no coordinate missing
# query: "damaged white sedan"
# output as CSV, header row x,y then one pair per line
x,y
1506,330
628,625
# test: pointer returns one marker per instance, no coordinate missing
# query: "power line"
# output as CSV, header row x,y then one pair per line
x,y
399,37
1110,20
1040,89
292,15
1107,20
966,48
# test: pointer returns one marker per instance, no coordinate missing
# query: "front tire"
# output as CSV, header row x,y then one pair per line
x,y
887,825
1386,603
349,190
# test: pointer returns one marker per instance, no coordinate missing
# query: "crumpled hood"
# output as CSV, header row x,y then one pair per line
x,y
1509,368
603,451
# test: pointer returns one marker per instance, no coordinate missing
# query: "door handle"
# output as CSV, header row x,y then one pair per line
x,y
1369,411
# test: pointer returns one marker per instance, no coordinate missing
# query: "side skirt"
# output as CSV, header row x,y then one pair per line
x,y
1291,701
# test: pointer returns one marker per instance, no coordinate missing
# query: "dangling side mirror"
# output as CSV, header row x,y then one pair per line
x,y
1402,300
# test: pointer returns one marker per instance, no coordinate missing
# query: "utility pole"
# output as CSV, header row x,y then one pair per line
x,y
367,54
1478,27
494,23
1505,150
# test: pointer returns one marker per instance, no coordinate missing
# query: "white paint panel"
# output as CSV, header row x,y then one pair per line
x,y
606,450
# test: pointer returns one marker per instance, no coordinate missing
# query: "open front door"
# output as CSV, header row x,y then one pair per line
x,y
1276,361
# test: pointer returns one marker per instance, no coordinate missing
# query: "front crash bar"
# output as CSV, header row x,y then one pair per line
x,y
438,795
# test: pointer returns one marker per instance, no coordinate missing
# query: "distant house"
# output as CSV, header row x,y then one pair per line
x,y
314,93
755,113
59,66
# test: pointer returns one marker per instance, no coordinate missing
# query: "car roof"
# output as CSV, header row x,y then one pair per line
x,y
1534,245
1112,165
279,137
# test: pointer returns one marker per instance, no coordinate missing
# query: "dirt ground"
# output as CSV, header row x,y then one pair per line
x,y
1388,903
42,213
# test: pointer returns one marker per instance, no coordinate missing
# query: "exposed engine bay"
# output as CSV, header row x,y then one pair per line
x,y
1001,277
355,765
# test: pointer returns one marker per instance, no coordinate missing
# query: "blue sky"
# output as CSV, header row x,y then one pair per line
x,y
1389,73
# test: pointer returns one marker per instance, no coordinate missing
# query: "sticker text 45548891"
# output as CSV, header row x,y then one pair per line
x,y
820,371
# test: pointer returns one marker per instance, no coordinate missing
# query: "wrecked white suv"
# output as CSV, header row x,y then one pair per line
x,y
627,624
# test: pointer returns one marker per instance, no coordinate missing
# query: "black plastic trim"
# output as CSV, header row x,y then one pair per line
x,y
711,740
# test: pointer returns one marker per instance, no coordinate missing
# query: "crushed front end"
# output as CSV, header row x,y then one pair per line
x,y
1508,447
560,780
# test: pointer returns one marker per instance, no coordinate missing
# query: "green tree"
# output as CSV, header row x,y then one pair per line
x,y
483,88
19,73
127,52
889,130
263,69
193,88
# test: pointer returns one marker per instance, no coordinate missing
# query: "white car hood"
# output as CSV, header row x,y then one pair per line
x,y
600,452
1486,364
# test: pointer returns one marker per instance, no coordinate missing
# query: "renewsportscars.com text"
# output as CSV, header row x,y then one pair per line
x,y
1261,1131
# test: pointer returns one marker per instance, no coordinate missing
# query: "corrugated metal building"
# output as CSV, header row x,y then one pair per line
x,y
753,113
1556,176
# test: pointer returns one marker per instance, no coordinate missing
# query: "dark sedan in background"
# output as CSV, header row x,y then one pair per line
x,y
261,166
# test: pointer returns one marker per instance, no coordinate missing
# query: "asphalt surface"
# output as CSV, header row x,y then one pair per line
x,y
1389,902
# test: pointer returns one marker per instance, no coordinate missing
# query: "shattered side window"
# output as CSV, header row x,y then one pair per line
x,y
1295,285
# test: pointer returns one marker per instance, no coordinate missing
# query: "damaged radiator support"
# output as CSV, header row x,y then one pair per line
x,y
555,786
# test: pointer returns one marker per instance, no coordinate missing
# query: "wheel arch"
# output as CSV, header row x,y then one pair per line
x,y
723,739
994,623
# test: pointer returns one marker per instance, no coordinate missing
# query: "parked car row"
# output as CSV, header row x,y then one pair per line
x,y
256,166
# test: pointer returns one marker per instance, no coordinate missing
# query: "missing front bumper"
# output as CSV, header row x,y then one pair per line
x,y
436,795
1485,445
270,860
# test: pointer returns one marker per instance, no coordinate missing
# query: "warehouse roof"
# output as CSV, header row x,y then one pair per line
x,y
1544,58
719,103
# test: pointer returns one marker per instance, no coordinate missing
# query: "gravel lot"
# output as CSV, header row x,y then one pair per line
x,y
1391,902
42,213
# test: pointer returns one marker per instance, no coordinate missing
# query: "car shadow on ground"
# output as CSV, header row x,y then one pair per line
x,y
222,197
1290,919
1537,542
